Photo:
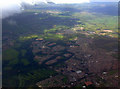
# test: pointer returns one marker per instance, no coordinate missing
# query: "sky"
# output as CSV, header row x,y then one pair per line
x,y
13,6
11,2
8,3
70,1
104,0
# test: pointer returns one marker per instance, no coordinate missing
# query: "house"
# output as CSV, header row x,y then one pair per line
x,y
52,44
88,83
40,39
79,71
36,13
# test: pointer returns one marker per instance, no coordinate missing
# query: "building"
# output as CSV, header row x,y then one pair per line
x,y
88,83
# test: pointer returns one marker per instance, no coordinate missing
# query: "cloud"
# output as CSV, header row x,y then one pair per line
x,y
9,7
70,1
104,0
10,10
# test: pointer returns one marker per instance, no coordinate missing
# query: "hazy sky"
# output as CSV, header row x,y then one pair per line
x,y
104,0
70,1
13,6
7,3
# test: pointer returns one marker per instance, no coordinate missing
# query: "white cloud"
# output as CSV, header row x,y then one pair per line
x,y
104,0
70,1
8,3
10,7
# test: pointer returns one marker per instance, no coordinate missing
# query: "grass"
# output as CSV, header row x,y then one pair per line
x,y
10,54
54,36
93,22
33,76
22,38
113,72
25,61
23,52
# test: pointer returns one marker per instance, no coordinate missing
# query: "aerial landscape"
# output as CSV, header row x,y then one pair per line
x,y
61,45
